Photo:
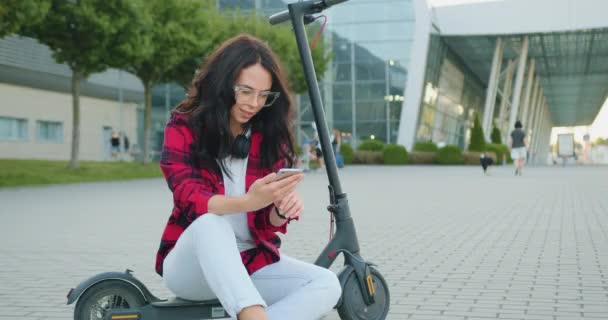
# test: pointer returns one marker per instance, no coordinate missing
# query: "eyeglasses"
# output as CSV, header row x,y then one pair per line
x,y
263,98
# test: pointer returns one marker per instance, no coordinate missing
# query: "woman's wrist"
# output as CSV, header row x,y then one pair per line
x,y
276,210
275,218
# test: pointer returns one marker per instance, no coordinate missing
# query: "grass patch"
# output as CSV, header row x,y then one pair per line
x,y
35,172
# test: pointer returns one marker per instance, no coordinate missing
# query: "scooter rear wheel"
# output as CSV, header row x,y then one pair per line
x,y
354,308
107,295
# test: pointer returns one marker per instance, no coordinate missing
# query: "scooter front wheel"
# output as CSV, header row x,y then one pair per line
x,y
353,306
107,295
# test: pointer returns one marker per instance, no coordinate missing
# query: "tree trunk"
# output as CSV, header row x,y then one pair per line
x,y
147,120
76,77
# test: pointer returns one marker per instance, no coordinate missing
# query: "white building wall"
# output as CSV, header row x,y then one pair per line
x,y
416,72
33,105
521,16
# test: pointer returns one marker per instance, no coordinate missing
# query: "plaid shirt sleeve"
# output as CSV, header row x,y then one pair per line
x,y
191,188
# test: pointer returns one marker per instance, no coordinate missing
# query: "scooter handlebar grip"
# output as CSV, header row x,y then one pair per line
x,y
279,17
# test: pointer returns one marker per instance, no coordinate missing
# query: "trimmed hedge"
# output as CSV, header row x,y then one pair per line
x,y
394,154
421,157
425,146
450,154
371,145
499,150
368,157
347,153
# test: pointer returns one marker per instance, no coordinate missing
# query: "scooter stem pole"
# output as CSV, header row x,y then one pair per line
x,y
297,11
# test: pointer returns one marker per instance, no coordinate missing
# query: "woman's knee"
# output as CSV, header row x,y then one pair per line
x,y
210,224
333,289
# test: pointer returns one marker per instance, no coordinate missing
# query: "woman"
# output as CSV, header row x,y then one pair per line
x,y
222,146
519,147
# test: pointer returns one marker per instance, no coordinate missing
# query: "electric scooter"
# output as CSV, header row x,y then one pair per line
x,y
119,295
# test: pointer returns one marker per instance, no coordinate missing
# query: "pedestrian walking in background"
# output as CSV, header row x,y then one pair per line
x,y
519,147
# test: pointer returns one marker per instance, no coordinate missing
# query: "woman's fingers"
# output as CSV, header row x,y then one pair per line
x,y
291,206
287,204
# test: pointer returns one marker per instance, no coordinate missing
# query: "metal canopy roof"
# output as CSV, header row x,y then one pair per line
x,y
573,67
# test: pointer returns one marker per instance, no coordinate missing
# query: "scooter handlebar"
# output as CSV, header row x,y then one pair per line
x,y
329,3
279,17
320,5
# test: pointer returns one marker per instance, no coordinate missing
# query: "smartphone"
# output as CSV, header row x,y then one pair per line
x,y
286,172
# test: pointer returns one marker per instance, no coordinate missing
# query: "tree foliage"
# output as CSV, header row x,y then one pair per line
x,y
602,141
495,136
89,36
15,14
172,32
478,142
223,26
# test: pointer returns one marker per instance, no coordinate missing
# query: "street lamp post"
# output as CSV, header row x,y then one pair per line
x,y
387,101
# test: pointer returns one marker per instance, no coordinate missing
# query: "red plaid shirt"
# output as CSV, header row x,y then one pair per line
x,y
192,188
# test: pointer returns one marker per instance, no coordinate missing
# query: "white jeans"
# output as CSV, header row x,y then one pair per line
x,y
206,264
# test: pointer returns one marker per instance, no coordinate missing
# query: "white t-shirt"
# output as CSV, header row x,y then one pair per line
x,y
236,187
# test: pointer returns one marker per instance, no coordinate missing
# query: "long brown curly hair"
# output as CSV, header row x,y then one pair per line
x,y
211,96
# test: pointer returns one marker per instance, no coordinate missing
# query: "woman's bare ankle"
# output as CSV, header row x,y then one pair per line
x,y
253,313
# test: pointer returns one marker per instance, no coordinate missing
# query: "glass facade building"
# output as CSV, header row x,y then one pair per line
x,y
363,87
452,96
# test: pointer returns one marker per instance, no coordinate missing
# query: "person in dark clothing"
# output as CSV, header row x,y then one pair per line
x,y
125,141
519,147
115,143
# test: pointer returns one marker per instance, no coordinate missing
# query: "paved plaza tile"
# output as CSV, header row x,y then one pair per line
x,y
451,242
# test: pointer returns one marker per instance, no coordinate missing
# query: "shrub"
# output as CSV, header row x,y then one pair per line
x,y
472,157
368,157
421,157
449,154
425,146
371,145
499,150
347,153
495,136
478,142
394,154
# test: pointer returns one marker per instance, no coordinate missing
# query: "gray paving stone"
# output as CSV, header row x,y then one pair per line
x,y
452,243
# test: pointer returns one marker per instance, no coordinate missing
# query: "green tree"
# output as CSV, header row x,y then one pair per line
x,y
89,36
216,31
15,14
599,141
223,26
495,137
173,31
478,142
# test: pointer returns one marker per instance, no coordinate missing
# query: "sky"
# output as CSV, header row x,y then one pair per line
x,y
598,129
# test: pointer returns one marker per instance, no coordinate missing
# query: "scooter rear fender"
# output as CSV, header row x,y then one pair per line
x,y
126,276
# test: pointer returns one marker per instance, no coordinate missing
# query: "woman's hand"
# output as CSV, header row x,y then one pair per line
x,y
291,206
265,191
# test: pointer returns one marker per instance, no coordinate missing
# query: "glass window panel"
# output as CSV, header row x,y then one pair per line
x,y
379,30
356,10
13,128
370,91
49,131
343,112
342,92
371,71
342,71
